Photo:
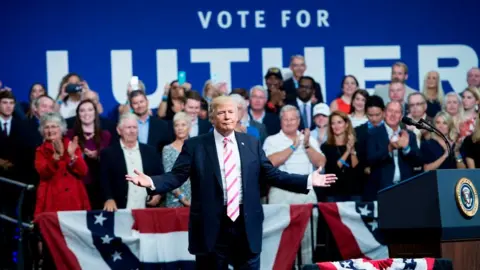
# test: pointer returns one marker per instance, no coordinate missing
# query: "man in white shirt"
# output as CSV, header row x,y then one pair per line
x,y
120,159
296,152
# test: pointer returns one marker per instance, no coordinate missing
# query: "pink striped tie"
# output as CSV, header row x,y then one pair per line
x,y
231,180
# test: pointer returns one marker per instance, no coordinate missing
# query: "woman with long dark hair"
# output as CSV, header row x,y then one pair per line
x,y
344,101
358,114
341,158
36,90
91,140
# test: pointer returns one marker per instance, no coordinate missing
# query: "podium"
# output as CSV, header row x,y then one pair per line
x,y
433,214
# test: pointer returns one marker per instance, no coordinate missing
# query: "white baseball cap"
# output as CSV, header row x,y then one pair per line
x,y
321,108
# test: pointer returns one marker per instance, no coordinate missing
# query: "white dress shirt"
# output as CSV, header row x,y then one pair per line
x,y
194,128
9,124
136,196
236,155
396,175
301,104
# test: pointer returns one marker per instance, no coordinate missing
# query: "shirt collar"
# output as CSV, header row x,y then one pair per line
x,y
124,147
195,121
3,121
146,120
285,135
219,137
390,130
299,102
370,125
250,114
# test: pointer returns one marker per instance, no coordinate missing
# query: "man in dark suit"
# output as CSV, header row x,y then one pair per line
x,y
303,102
392,152
226,170
12,166
374,108
120,159
151,130
298,67
257,112
193,104
42,105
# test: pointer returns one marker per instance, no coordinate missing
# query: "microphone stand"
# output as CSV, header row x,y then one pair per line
x,y
444,138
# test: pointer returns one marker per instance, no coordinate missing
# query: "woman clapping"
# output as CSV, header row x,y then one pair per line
x,y
61,168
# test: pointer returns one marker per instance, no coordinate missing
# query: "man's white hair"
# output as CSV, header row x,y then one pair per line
x,y
54,117
126,116
239,100
182,116
288,108
259,88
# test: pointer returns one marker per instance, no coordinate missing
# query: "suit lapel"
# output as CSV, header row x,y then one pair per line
x,y
243,152
142,156
122,165
151,131
211,150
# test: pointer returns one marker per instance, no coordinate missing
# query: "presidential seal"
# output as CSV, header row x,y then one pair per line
x,y
467,197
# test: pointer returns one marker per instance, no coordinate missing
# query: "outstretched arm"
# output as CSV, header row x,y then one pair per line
x,y
169,181
292,182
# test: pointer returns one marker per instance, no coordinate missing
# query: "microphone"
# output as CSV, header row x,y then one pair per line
x,y
447,142
420,124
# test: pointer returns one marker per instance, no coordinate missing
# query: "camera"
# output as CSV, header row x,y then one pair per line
x,y
73,88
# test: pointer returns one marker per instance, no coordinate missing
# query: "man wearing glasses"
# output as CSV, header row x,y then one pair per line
x,y
303,102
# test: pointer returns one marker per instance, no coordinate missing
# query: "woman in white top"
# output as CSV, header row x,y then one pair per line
x,y
357,110
70,94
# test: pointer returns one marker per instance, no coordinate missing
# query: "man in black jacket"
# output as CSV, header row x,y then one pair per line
x,y
298,67
151,130
119,159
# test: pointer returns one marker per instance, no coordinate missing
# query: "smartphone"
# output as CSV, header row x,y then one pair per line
x,y
182,77
134,84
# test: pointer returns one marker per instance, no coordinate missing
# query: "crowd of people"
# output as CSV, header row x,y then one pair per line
x,y
77,155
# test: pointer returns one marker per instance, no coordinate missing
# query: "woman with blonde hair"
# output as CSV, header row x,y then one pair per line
x,y
470,101
180,197
452,104
433,91
435,151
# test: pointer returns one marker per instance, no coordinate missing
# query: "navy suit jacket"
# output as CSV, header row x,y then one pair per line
x,y
113,170
159,134
291,91
382,166
199,161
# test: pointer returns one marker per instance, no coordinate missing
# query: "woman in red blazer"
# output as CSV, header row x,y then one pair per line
x,y
61,168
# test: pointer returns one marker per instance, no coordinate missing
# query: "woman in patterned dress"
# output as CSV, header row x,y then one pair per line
x,y
180,197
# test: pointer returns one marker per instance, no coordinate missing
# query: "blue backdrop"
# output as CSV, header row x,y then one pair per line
x,y
109,41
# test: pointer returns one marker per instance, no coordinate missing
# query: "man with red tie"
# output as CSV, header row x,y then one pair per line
x,y
226,170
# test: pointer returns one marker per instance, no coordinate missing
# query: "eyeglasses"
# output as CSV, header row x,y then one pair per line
x,y
305,86
416,104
